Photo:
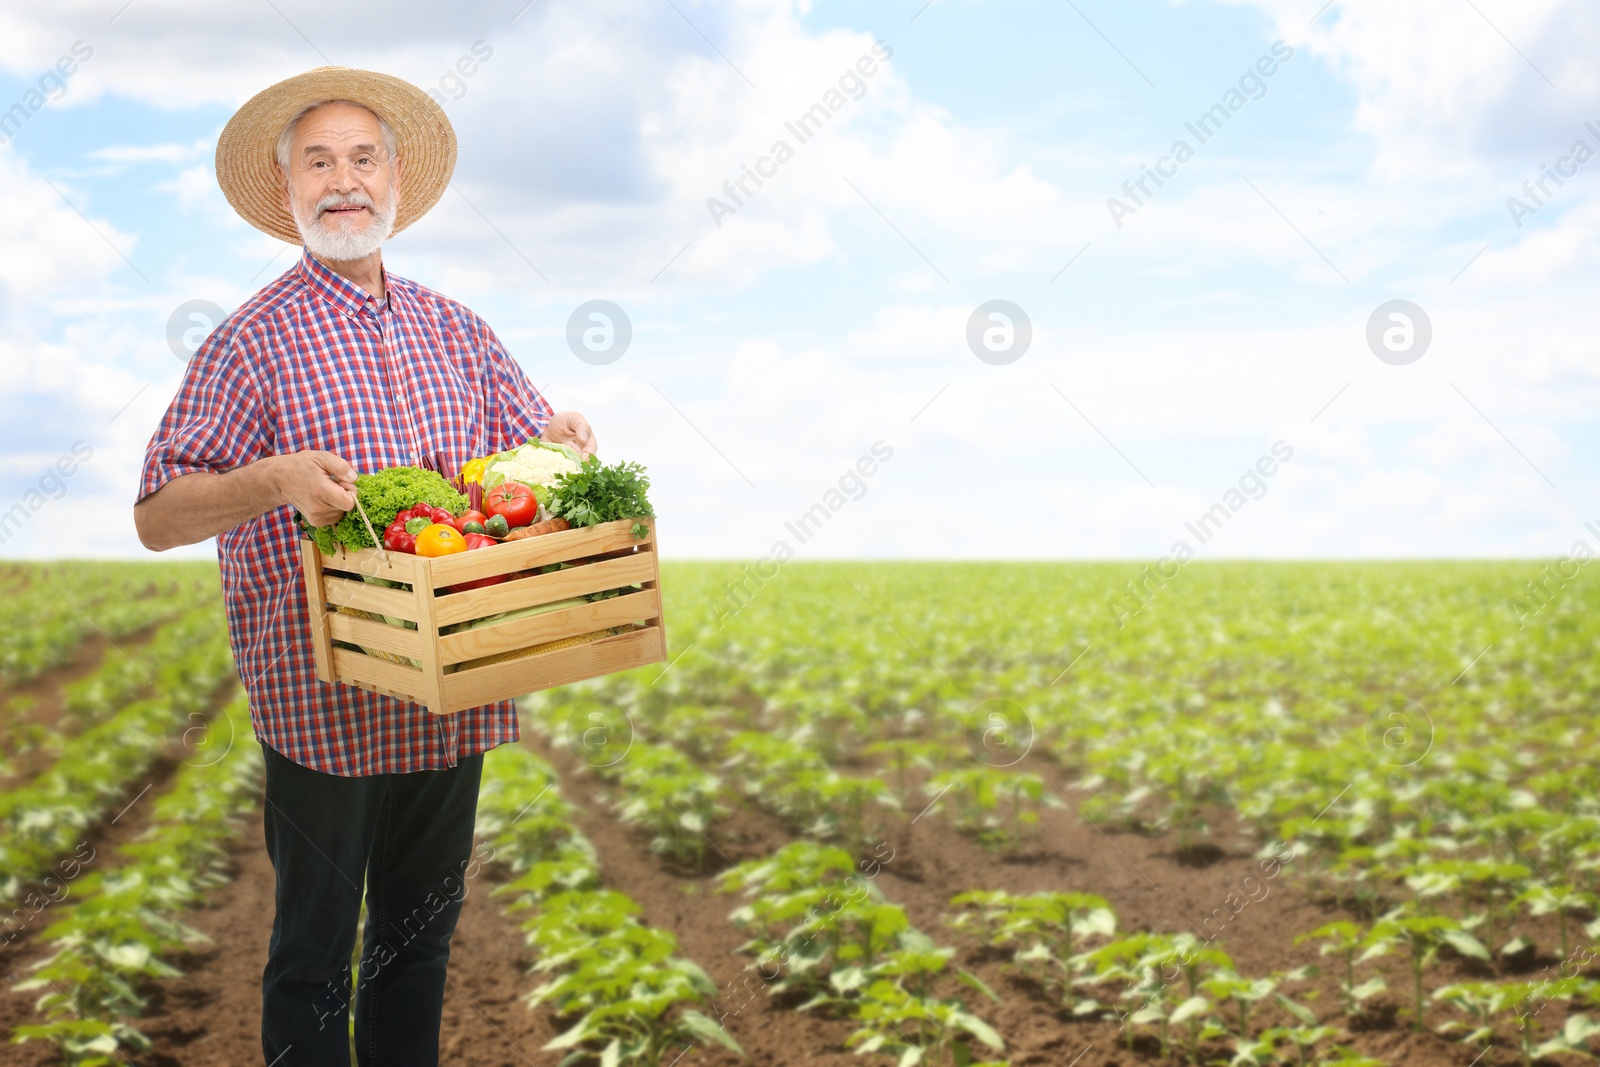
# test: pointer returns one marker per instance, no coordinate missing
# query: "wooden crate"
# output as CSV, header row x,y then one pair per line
x,y
371,652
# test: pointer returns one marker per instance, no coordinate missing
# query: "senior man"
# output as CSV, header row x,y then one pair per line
x,y
337,367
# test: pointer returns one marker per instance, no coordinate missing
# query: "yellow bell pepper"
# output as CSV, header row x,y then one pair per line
x,y
473,471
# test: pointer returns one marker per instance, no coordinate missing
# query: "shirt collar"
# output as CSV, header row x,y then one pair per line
x,y
340,291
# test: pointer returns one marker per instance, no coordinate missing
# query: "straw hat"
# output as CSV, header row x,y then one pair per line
x,y
248,148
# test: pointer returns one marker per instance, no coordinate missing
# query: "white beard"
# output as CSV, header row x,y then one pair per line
x,y
344,243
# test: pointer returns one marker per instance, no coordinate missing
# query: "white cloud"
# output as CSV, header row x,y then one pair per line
x,y
1438,81
172,153
594,135
50,247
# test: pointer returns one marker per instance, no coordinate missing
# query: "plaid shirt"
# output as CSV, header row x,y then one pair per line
x,y
313,362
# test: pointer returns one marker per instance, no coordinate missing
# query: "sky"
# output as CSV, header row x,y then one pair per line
x,y
1228,334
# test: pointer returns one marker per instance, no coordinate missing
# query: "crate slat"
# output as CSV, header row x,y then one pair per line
x,y
551,626
378,675
538,551
659,621
402,566
316,604
545,588
370,633
432,657
374,598
468,689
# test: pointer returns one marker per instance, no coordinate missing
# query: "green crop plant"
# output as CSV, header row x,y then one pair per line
x,y
997,806
901,1014
44,819
1422,936
1197,962
835,949
802,864
595,951
523,817
1237,997
1144,968
1346,940
796,897
671,799
700,730
905,754
829,725
1542,899
1377,816
843,805
1566,837
1306,1042
1190,782
44,619
1048,929
1486,883
1484,1002
155,668
110,942
634,999
821,929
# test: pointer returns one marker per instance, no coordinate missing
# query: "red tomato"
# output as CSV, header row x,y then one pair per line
x,y
473,516
513,500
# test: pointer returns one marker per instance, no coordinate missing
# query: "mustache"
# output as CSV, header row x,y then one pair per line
x,y
333,200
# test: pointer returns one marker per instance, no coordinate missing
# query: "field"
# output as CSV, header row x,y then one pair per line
x,y
879,814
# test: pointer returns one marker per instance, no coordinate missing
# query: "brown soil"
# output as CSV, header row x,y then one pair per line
x,y
127,819
49,704
211,1016
687,904
1149,882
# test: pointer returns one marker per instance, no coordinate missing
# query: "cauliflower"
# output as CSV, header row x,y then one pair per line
x,y
533,464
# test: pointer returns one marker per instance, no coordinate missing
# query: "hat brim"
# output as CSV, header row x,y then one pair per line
x,y
247,150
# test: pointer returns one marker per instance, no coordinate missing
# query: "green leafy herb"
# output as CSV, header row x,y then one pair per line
x,y
596,493
385,494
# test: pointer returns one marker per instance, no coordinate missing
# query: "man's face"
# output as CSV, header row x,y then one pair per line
x,y
342,189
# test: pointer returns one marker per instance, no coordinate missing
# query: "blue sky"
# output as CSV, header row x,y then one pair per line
x,y
830,312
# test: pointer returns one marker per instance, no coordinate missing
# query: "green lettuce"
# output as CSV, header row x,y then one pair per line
x,y
385,494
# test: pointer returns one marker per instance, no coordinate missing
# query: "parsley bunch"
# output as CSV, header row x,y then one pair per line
x,y
596,493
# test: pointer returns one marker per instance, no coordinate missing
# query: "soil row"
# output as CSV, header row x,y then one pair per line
x,y
46,707
211,1015
98,851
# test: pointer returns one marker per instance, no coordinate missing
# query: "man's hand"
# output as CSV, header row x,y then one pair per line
x,y
320,485
569,427
202,504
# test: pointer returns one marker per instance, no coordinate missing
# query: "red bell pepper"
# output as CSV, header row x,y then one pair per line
x,y
395,538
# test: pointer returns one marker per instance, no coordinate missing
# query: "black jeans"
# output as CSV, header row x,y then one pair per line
x,y
408,837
